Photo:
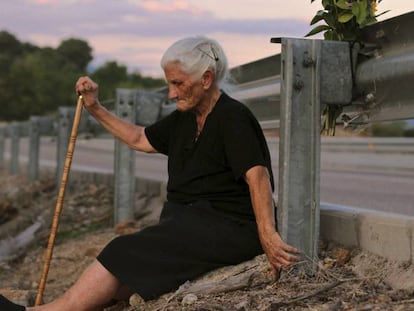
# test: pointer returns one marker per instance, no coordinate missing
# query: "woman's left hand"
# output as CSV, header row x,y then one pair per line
x,y
279,254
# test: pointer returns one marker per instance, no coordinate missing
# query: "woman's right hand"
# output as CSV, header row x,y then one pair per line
x,y
86,87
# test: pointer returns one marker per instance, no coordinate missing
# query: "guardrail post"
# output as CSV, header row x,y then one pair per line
x,y
148,107
14,133
309,68
65,120
2,143
124,166
34,148
299,147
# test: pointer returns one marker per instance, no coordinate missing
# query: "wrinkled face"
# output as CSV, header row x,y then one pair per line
x,y
182,88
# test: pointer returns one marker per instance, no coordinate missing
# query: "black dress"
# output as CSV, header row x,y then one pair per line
x,y
208,220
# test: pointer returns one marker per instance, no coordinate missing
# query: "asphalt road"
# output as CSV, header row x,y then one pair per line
x,y
381,181
387,191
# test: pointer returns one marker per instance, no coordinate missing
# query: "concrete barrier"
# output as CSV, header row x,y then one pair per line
x,y
385,234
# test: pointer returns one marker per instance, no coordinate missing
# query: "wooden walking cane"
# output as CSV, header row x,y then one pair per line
x,y
59,203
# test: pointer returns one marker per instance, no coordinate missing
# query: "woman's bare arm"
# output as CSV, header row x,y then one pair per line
x,y
131,134
279,254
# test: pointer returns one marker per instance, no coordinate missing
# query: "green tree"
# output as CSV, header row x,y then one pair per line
x,y
110,76
10,50
77,52
136,80
38,84
36,81
9,45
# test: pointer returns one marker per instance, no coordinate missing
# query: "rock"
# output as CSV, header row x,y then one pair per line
x,y
242,305
342,256
328,263
189,299
136,301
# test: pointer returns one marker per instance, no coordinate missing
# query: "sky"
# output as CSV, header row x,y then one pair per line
x,y
135,33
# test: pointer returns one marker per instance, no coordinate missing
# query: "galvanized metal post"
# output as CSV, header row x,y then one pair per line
x,y
34,148
299,149
14,134
314,73
148,107
124,166
65,120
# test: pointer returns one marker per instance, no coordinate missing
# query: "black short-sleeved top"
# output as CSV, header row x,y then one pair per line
x,y
212,167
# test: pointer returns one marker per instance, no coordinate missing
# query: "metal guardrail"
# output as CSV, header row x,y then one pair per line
x,y
257,85
384,76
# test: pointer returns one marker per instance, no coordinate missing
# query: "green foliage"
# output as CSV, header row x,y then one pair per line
x,y
112,75
136,80
9,45
389,129
35,81
109,77
344,19
77,52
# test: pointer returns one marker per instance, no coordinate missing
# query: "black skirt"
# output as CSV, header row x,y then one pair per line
x,y
189,241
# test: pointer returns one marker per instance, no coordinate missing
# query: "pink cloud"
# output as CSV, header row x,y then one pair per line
x,y
43,1
171,6
54,2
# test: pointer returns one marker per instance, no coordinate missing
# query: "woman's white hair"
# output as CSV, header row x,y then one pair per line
x,y
197,55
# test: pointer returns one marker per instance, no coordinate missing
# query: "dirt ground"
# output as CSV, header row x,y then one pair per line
x,y
344,279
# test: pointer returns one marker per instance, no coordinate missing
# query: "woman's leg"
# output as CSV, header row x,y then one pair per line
x,y
95,288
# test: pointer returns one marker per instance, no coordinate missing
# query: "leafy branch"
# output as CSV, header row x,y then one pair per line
x,y
344,19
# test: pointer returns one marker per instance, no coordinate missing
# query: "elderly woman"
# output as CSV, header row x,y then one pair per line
x,y
219,208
